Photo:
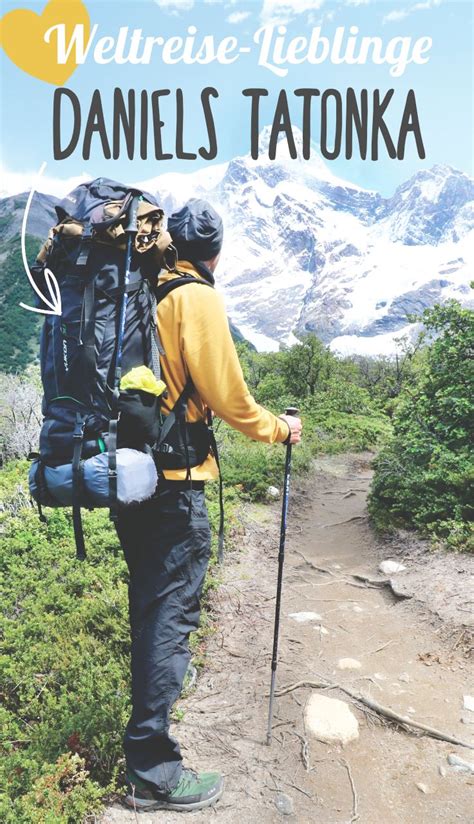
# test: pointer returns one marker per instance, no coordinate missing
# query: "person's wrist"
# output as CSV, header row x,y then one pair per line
x,y
288,437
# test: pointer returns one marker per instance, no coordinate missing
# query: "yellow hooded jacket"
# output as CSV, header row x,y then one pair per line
x,y
195,334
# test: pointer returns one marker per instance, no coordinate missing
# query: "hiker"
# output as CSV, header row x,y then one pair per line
x,y
166,540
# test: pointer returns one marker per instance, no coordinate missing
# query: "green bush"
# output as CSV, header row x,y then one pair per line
x,y
64,667
251,467
424,476
62,792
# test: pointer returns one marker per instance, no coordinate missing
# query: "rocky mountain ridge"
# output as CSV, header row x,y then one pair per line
x,y
308,252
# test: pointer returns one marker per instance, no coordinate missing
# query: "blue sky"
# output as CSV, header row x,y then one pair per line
x,y
443,86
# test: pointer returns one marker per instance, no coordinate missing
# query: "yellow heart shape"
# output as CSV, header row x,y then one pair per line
x,y
22,37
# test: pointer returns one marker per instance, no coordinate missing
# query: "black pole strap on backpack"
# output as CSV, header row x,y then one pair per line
x,y
78,437
131,231
87,333
85,247
43,492
112,450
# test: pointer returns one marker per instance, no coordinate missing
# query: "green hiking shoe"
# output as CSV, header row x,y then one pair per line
x,y
194,791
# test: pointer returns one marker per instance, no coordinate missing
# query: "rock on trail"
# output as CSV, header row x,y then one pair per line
x,y
391,567
348,664
304,617
331,720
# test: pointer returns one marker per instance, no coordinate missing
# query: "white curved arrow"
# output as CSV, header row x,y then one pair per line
x,y
54,301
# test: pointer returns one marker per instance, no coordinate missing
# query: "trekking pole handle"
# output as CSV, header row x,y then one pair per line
x,y
132,215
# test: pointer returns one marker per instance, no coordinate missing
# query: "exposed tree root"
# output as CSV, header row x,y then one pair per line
x,y
355,798
380,709
346,521
360,581
315,567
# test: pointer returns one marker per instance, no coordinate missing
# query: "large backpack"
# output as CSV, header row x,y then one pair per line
x,y
100,443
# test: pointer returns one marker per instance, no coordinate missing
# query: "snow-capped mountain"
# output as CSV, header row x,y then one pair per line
x,y
305,251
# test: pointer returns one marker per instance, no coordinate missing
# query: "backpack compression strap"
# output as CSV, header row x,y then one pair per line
x,y
78,437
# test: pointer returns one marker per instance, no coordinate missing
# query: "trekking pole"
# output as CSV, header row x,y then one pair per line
x,y
281,557
131,231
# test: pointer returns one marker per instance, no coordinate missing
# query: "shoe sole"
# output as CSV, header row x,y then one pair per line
x,y
143,806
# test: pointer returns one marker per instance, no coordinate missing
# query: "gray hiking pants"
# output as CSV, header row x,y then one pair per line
x,y
166,542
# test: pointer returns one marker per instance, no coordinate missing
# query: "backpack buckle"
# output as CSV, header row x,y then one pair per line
x,y
78,433
165,447
85,247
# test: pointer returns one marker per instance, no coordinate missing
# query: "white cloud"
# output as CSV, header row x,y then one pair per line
x,y
316,19
357,2
238,16
393,16
175,6
400,14
282,11
14,183
428,4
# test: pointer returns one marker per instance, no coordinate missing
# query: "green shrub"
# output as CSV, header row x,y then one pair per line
x,y
425,475
64,666
251,467
62,792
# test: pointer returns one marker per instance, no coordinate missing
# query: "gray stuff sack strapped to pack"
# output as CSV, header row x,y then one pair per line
x,y
136,480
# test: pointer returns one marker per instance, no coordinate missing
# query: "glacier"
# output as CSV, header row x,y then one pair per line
x,y
306,251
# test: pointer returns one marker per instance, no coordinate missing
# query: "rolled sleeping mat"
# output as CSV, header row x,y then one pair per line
x,y
136,480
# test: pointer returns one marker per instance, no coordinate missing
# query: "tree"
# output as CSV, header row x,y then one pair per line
x,y
307,366
20,413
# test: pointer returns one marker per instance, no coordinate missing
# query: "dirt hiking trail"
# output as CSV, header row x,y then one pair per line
x,y
410,633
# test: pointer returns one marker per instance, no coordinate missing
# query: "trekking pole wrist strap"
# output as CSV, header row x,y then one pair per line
x,y
288,437
213,442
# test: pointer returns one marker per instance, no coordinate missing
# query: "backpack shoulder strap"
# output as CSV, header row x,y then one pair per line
x,y
179,408
180,405
161,291
170,285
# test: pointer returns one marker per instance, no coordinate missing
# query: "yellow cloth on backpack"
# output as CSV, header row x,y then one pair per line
x,y
141,377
